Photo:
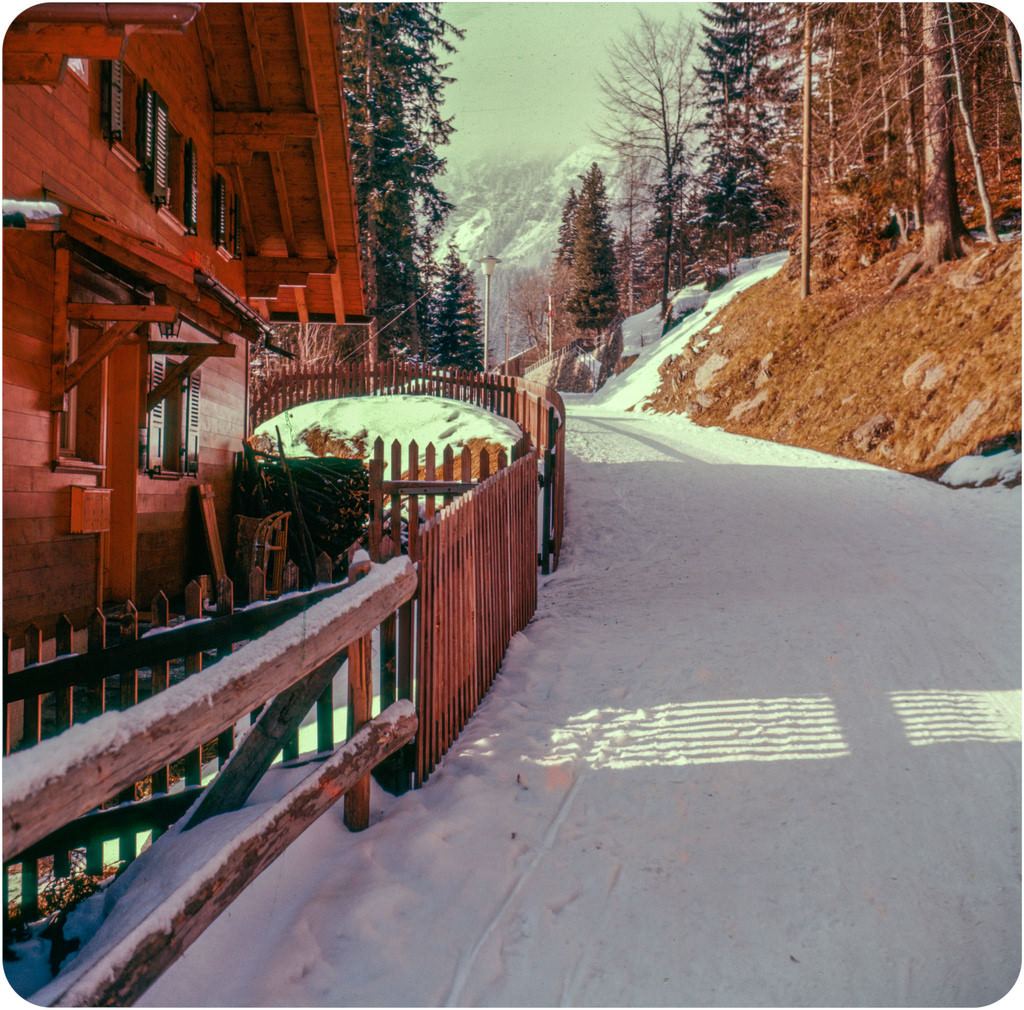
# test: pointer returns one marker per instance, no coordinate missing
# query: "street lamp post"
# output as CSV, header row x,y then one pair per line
x,y
488,263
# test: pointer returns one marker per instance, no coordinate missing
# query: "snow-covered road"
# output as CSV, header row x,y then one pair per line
x,y
760,745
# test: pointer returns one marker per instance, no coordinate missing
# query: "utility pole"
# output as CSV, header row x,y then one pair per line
x,y
488,263
508,323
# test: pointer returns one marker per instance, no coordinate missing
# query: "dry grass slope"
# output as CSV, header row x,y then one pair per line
x,y
910,380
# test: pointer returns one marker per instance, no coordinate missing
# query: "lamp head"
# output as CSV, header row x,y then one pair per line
x,y
489,263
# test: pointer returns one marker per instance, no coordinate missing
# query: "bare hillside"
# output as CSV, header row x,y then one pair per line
x,y
910,380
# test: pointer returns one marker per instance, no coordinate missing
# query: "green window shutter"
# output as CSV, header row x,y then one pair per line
x,y
112,98
191,196
191,447
145,129
158,172
220,211
155,420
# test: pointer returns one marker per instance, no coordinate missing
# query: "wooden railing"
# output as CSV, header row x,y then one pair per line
x,y
281,677
49,698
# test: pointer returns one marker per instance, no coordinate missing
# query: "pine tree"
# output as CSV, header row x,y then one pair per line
x,y
394,80
739,88
594,298
455,328
567,229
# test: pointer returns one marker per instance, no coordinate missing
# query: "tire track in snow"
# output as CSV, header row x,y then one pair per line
x,y
468,961
579,971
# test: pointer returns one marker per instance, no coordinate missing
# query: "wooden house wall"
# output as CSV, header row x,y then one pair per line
x,y
54,146
46,570
171,544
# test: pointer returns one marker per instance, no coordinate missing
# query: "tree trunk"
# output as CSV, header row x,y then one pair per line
x,y
371,215
944,233
911,131
884,94
805,203
1011,54
979,175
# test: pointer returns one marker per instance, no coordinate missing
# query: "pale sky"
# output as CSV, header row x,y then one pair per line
x,y
526,72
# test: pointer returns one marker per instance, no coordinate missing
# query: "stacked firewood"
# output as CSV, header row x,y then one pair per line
x,y
327,497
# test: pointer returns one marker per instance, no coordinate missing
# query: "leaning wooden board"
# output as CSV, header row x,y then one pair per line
x,y
209,513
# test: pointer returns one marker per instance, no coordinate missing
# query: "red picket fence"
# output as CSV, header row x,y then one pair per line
x,y
478,587
538,410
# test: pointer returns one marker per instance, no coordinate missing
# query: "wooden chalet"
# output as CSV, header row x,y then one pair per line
x,y
176,177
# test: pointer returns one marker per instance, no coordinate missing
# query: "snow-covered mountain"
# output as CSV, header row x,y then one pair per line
x,y
511,208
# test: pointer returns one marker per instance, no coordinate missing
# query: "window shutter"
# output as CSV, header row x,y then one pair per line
x,y
155,421
112,88
236,227
192,397
145,131
158,176
191,195
220,211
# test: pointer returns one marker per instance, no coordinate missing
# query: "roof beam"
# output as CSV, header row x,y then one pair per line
x,y
178,347
94,42
238,183
293,123
122,313
252,38
265,274
319,158
209,59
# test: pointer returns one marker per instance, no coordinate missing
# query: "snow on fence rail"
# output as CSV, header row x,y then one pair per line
x,y
71,774
280,676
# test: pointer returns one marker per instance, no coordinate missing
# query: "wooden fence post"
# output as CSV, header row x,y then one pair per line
x,y
225,606
376,532
360,710
64,697
32,719
194,664
413,503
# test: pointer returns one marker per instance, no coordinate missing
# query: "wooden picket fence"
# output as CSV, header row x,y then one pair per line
x,y
478,587
285,384
537,409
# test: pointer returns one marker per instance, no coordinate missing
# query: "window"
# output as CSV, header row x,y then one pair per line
x,y
226,219
190,188
79,67
81,433
172,427
153,143
119,99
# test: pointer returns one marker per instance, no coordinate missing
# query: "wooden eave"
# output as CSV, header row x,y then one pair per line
x,y
280,137
173,279
42,38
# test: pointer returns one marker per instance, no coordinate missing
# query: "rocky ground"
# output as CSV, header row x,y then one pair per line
x,y
909,379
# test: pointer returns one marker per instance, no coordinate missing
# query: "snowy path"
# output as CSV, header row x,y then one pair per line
x,y
760,745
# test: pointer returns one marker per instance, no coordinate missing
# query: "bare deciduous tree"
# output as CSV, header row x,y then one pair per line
x,y
650,101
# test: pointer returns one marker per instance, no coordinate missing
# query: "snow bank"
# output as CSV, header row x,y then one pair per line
x,y
640,380
996,470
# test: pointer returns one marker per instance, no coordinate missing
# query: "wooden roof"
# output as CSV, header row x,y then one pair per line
x,y
280,134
